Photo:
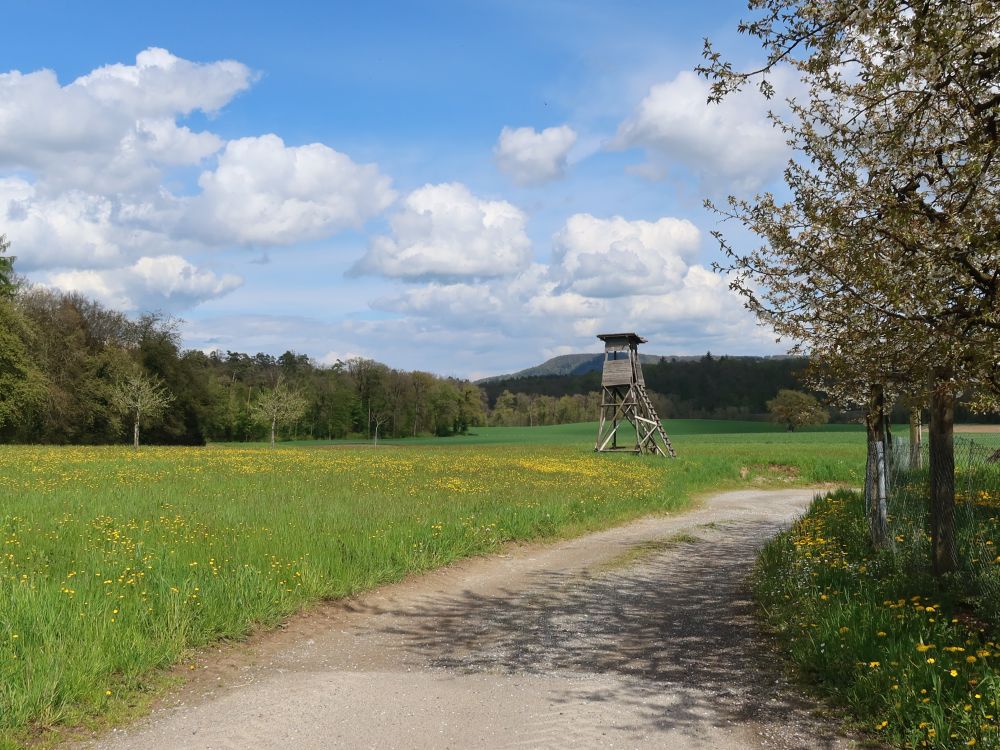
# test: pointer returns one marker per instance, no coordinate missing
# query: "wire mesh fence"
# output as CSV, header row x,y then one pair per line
x,y
977,512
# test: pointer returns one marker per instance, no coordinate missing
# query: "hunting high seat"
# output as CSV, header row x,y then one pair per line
x,y
624,399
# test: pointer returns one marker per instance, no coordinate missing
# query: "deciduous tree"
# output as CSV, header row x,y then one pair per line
x,y
138,397
278,406
796,409
22,384
894,198
7,284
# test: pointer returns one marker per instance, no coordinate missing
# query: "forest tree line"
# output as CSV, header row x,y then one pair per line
x,y
711,387
62,356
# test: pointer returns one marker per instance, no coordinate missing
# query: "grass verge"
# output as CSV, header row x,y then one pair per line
x,y
910,656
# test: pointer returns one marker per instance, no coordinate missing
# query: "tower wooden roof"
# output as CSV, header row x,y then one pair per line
x,y
630,338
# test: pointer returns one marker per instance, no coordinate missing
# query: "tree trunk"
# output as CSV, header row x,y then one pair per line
x,y
944,553
135,432
274,421
916,441
875,484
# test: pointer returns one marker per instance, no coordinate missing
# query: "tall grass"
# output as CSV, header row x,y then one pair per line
x,y
914,658
113,562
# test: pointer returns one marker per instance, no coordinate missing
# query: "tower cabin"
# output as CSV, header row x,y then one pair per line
x,y
624,399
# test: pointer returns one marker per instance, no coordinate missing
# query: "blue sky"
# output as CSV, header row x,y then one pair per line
x,y
439,186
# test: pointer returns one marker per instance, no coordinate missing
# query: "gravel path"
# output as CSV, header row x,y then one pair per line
x,y
640,636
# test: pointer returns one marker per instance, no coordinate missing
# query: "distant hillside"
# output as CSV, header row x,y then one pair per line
x,y
706,387
581,364
577,364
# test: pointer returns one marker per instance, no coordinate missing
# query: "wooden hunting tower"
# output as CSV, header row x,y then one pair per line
x,y
624,399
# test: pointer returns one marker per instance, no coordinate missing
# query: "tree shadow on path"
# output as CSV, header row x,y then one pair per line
x,y
675,629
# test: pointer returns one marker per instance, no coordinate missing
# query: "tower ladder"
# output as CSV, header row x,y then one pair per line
x,y
654,417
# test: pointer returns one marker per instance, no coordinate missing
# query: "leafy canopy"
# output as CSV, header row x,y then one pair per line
x,y
884,262
796,409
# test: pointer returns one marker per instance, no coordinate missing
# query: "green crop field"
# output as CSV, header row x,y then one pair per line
x,y
583,434
115,563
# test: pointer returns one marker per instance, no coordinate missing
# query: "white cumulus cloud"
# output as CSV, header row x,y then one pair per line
x,y
162,84
458,302
615,257
444,231
89,172
264,192
167,282
605,274
699,295
530,157
730,143
75,229
109,131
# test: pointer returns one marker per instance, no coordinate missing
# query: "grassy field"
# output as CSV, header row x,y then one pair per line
x,y
584,433
114,563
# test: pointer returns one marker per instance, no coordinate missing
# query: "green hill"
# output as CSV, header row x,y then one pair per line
x,y
578,364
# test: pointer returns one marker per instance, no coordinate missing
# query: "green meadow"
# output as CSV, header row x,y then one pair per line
x,y
115,564
583,434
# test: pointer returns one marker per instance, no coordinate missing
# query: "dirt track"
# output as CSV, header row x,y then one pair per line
x,y
640,636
